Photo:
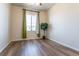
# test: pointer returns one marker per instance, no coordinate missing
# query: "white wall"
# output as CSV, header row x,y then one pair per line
x,y
43,19
16,21
4,25
64,24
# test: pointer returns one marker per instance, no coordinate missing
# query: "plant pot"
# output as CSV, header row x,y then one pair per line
x,y
44,37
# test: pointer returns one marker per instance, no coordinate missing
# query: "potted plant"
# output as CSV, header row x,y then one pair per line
x,y
44,27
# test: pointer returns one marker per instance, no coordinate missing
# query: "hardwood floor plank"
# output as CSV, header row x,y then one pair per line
x,y
65,50
37,48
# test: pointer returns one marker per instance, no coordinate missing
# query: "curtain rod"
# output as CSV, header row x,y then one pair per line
x,y
31,10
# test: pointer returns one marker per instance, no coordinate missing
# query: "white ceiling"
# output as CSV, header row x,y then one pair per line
x,y
44,6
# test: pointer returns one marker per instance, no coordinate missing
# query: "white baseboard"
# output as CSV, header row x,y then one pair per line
x,y
65,45
5,46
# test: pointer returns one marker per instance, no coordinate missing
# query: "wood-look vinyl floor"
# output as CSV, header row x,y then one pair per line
x,y
37,48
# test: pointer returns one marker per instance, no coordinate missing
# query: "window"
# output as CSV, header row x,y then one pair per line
x,y
31,22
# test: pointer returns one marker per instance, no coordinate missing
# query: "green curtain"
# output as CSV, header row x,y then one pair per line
x,y
38,24
24,33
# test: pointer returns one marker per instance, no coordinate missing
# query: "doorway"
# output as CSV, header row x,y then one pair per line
x,y
31,24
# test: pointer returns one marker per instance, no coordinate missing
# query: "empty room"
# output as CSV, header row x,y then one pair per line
x,y
39,29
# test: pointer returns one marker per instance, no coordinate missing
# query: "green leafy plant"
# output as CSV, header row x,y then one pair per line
x,y
44,27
